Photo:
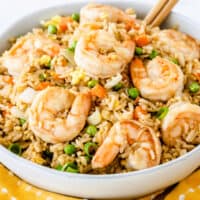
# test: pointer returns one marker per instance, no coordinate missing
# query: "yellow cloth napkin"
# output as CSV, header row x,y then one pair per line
x,y
188,189
12,188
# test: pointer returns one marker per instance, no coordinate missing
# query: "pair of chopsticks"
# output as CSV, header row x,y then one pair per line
x,y
159,12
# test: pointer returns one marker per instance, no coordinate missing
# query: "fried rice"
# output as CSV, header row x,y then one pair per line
x,y
115,106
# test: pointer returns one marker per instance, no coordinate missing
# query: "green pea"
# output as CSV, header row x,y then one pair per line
x,y
91,130
42,77
133,93
194,87
22,121
76,17
92,83
52,29
175,61
69,149
118,86
59,167
138,51
153,54
162,112
15,148
73,46
90,148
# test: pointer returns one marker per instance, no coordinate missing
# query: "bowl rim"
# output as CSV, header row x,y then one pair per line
x,y
55,172
48,170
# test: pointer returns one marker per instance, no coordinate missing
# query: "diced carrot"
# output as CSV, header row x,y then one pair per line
x,y
8,79
197,75
141,40
63,23
99,91
57,77
63,26
130,24
54,51
138,111
42,85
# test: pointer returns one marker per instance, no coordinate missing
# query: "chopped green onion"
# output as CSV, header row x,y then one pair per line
x,y
90,148
194,87
52,29
175,61
42,77
70,56
153,54
70,164
87,158
91,130
133,93
73,46
118,86
76,17
72,170
59,167
69,149
138,51
22,121
92,83
15,148
162,112
70,167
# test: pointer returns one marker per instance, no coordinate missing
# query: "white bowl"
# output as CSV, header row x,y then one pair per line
x,y
132,184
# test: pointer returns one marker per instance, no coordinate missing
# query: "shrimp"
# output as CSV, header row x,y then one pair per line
x,y
160,80
182,119
101,55
48,112
26,50
178,44
146,151
98,13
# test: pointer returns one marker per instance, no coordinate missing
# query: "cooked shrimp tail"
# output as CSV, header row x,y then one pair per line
x,y
181,122
125,133
44,119
159,80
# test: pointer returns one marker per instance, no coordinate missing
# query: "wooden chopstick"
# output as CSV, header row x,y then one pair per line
x,y
158,15
154,11
164,13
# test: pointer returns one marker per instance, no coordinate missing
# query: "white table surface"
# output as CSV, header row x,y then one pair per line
x,y
11,10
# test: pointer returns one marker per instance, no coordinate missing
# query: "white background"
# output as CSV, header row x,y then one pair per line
x,y
13,9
